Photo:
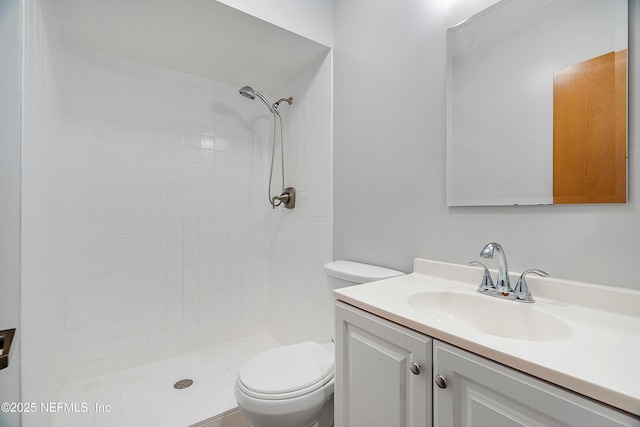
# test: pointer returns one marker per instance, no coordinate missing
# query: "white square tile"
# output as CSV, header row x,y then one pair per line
x,y
97,350
98,333
157,337
119,296
119,345
139,309
139,341
99,316
139,324
76,319
119,329
118,313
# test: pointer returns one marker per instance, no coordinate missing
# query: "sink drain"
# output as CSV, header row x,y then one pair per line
x,y
184,383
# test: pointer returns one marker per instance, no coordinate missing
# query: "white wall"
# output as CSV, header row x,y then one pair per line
x,y
310,18
164,213
389,159
42,285
10,120
299,241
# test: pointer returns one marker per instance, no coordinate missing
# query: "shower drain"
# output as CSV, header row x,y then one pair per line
x,y
183,384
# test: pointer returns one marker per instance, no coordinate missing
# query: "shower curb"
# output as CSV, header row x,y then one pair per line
x,y
231,418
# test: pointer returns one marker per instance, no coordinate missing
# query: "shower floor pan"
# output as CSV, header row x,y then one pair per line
x,y
145,395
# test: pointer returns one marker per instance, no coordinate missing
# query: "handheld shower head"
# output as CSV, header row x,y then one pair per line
x,y
250,93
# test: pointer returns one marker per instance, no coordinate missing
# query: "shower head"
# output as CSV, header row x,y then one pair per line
x,y
250,93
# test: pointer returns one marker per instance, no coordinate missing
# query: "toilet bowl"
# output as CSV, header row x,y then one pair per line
x,y
288,386
292,385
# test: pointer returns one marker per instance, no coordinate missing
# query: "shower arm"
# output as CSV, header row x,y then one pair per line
x,y
288,100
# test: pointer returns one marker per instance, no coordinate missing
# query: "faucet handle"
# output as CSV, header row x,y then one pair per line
x,y
522,288
487,281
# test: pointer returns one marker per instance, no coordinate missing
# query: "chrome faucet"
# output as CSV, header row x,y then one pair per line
x,y
502,284
502,287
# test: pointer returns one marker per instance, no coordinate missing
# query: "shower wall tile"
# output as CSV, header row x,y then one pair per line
x,y
164,218
42,310
300,240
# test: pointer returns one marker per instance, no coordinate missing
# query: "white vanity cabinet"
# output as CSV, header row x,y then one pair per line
x,y
383,372
482,393
375,385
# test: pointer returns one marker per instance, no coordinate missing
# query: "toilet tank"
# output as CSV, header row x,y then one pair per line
x,y
341,274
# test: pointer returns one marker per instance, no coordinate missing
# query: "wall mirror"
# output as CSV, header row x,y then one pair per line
x,y
537,104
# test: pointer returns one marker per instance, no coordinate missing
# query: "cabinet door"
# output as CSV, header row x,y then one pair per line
x,y
375,385
481,393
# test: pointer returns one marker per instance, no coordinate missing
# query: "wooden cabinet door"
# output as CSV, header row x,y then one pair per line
x,y
481,393
374,382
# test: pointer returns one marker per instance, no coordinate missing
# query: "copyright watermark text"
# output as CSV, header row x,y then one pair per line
x,y
68,407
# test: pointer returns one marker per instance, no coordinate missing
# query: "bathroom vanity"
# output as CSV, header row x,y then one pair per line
x,y
426,349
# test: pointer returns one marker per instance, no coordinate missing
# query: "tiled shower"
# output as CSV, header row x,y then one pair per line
x,y
165,228
146,232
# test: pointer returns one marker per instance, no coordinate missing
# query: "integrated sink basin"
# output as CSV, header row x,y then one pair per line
x,y
491,316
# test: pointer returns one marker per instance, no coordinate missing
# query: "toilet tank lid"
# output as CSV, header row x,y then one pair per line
x,y
358,272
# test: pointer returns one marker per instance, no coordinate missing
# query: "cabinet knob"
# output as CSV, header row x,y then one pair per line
x,y
415,368
440,381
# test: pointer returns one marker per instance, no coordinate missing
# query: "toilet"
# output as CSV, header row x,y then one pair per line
x,y
292,385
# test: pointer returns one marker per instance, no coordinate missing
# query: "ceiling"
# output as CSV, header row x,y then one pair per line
x,y
201,37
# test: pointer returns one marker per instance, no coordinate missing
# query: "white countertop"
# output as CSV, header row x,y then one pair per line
x,y
599,357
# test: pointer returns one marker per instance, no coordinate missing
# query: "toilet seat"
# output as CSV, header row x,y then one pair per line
x,y
287,372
